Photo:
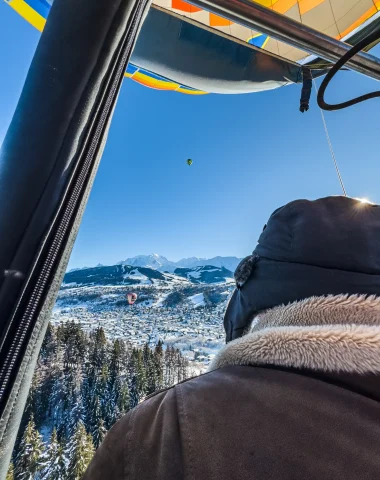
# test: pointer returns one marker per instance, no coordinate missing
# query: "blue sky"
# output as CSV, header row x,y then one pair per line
x,y
251,154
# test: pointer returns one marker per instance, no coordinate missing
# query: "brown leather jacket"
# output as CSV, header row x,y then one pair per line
x,y
247,423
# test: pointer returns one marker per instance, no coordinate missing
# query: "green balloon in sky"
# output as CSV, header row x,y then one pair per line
x,y
189,161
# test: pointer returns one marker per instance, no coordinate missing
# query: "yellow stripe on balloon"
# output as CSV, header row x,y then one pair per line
x,y
154,82
191,92
30,15
150,82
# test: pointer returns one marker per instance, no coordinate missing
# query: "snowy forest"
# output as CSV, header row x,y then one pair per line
x,y
83,384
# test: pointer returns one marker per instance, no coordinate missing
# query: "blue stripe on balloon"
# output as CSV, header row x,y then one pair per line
x,y
258,41
40,6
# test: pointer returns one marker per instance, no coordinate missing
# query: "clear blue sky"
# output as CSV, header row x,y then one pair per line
x,y
251,153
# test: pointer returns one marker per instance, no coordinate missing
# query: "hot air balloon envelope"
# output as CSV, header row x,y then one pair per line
x,y
189,50
189,161
131,298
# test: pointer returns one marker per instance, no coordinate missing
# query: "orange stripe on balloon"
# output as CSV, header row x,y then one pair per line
x,y
307,5
184,6
358,22
216,21
282,6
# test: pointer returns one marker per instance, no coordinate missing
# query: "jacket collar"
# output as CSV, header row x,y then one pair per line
x,y
325,334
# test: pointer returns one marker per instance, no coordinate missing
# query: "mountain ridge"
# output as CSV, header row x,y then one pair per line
x,y
161,263
136,275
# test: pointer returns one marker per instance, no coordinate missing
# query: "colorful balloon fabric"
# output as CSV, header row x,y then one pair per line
x,y
337,18
131,298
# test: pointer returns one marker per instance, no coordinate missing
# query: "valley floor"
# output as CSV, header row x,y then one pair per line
x,y
193,323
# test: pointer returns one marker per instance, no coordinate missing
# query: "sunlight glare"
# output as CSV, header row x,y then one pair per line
x,y
364,200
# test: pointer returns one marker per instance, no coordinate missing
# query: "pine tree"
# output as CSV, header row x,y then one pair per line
x,y
132,379
57,401
98,433
169,363
133,391
185,374
74,415
141,376
177,366
90,398
118,402
151,374
102,390
75,344
116,361
80,452
54,461
48,345
93,416
110,409
123,399
159,364
146,354
98,349
42,398
29,460
10,473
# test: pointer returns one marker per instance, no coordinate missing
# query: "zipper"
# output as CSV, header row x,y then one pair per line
x,y
12,359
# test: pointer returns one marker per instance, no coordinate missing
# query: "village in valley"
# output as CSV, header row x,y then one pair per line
x,y
185,312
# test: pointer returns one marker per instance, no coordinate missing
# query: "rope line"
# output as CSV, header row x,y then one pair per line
x,y
330,146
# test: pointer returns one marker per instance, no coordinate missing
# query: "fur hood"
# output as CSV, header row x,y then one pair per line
x,y
331,334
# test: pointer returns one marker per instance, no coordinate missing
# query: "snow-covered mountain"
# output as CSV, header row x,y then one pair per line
x,y
149,261
161,263
230,263
190,262
116,275
205,274
134,275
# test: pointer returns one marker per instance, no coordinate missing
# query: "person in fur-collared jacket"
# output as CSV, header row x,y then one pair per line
x,y
295,393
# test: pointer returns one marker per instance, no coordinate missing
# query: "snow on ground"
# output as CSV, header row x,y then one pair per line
x,y
194,274
137,275
160,301
198,300
76,306
175,279
146,303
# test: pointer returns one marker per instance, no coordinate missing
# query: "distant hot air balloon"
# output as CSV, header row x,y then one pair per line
x,y
189,161
131,298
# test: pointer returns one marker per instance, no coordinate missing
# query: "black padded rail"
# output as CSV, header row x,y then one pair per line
x,y
72,73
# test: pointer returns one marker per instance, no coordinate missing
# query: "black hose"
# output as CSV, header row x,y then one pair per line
x,y
353,51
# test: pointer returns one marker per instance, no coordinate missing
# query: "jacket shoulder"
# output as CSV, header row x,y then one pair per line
x,y
129,449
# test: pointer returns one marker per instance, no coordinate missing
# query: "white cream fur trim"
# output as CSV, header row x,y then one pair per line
x,y
335,333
